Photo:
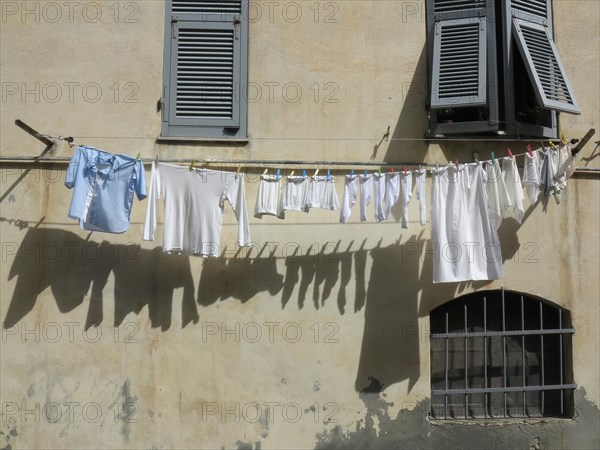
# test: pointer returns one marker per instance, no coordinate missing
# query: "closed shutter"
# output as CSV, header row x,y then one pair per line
x,y
459,63
205,68
530,25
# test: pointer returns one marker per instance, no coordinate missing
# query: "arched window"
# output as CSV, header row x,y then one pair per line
x,y
497,354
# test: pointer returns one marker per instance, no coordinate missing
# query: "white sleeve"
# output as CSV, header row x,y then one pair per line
x,y
406,196
236,195
420,181
349,197
153,196
366,185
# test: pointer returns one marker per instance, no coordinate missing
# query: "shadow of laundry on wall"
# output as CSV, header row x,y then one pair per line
x,y
70,265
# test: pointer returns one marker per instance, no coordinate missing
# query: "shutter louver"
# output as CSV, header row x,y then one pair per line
x,y
451,6
544,67
459,63
207,6
530,8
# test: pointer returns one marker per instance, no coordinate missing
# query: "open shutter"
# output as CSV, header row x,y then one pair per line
x,y
544,67
459,63
205,67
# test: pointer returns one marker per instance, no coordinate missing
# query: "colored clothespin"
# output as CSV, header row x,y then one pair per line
x,y
562,138
404,168
304,172
278,173
366,173
156,160
352,172
529,150
192,164
328,174
493,158
391,170
553,145
510,154
137,158
379,170
292,173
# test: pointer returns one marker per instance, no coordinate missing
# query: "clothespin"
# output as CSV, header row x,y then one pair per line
x,y
379,170
352,172
192,164
562,138
457,167
328,174
137,158
304,172
529,150
292,173
156,160
278,173
553,145
510,154
366,173
266,171
391,170
238,170
316,172
404,168
493,158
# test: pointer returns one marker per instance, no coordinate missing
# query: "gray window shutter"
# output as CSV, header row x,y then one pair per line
x,y
206,65
544,67
459,71
205,70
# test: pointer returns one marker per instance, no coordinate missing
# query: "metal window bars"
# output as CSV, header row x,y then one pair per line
x,y
495,399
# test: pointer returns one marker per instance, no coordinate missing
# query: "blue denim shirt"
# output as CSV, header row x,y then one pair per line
x,y
104,188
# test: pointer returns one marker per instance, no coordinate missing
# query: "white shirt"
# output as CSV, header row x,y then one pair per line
x,y
463,233
194,204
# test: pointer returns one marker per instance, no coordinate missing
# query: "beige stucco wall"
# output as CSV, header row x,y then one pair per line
x,y
190,383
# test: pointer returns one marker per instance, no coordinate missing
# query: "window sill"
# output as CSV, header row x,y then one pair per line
x,y
498,422
202,140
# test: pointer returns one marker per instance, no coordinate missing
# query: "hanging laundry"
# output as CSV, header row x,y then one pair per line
x,y
104,184
496,191
406,196
564,169
365,183
512,181
532,175
392,192
547,180
295,194
379,195
463,233
322,193
420,182
349,197
194,203
269,200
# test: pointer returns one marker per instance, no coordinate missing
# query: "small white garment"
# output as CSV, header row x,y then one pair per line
x,y
295,194
365,183
420,182
322,193
496,191
349,197
532,175
512,181
553,165
379,195
565,167
463,233
406,181
392,192
269,200
194,203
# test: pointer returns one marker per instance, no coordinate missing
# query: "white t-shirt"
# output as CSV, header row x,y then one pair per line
x,y
194,204
269,200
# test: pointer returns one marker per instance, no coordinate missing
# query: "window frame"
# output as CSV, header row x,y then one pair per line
x,y
502,119
565,363
236,128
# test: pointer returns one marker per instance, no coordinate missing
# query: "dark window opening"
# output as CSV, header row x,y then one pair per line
x,y
500,354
